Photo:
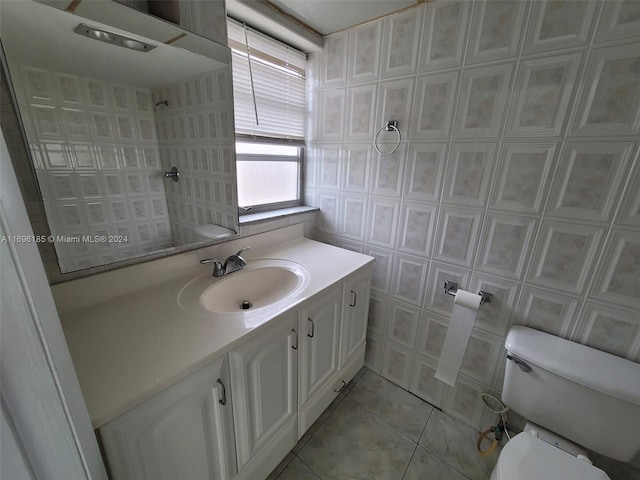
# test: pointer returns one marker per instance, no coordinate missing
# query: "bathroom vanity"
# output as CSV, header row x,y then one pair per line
x,y
176,391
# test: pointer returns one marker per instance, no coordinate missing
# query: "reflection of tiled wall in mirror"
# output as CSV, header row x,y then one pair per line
x,y
96,156
195,134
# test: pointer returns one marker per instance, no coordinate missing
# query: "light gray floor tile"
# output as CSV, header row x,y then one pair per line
x,y
455,444
356,378
281,466
355,444
297,470
316,425
425,466
402,410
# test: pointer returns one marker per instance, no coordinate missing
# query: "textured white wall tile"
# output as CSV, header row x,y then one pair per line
x,y
544,86
397,362
630,209
354,216
444,35
387,173
424,382
496,30
381,279
563,255
335,59
402,326
417,223
382,221
545,215
620,19
401,33
409,279
464,400
469,172
617,279
505,245
609,103
457,235
365,45
609,329
588,180
523,170
546,310
332,115
357,168
481,356
361,108
493,317
482,101
559,24
433,113
425,171
329,166
378,313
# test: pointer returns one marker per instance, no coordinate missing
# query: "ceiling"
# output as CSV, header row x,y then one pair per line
x,y
329,16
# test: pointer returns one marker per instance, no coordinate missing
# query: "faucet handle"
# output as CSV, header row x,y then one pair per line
x,y
209,260
242,250
218,268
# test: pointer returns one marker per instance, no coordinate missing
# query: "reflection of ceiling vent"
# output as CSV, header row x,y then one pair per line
x,y
113,38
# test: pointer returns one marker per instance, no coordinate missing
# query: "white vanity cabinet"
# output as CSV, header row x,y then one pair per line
x,y
319,326
239,416
184,432
264,379
356,294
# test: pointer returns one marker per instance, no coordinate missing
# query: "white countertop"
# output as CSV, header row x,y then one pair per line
x,y
131,346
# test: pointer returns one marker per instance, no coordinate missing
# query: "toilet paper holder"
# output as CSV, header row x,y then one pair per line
x,y
451,288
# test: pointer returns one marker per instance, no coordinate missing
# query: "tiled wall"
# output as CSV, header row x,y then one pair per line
x,y
517,173
195,134
96,157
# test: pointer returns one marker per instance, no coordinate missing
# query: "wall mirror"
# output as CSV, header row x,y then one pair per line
x,y
110,100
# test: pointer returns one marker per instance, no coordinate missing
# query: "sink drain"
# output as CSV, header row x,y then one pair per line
x,y
245,305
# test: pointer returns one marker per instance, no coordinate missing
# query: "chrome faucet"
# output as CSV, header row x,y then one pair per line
x,y
221,269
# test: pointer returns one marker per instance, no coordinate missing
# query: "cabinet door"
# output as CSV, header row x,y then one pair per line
x,y
264,378
355,312
185,431
319,323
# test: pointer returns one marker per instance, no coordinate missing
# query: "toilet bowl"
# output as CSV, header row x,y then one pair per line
x,y
527,457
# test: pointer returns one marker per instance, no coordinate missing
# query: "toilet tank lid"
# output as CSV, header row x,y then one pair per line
x,y
601,371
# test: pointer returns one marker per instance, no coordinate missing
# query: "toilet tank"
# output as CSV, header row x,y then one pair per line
x,y
583,394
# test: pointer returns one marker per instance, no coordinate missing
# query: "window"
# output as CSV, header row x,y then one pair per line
x,y
268,175
269,88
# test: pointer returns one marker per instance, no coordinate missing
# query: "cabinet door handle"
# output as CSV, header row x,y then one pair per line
x,y
313,328
344,384
294,343
355,298
223,400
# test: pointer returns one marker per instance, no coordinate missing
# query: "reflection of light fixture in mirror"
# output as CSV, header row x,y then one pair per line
x,y
113,38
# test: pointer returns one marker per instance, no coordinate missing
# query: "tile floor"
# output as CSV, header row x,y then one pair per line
x,y
377,430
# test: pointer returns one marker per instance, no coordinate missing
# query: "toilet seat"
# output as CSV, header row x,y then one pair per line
x,y
526,457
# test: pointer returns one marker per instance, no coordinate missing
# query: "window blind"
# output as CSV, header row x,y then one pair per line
x,y
278,82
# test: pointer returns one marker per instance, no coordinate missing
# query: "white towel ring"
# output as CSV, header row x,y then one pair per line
x,y
390,126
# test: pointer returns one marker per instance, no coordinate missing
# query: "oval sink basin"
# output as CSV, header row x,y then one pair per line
x,y
261,284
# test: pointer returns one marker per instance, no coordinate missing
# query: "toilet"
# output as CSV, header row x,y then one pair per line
x,y
210,232
574,398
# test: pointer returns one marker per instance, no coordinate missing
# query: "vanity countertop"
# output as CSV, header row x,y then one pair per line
x,y
129,347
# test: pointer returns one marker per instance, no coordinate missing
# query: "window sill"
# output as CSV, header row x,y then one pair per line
x,y
254,218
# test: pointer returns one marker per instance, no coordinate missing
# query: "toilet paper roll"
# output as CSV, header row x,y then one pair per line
x,y
463,316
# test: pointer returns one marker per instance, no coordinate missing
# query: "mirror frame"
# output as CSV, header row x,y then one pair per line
x,y
16,138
